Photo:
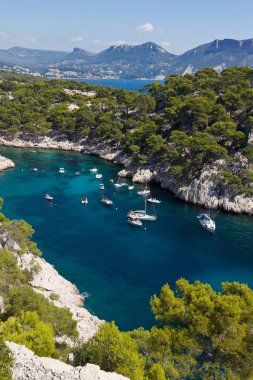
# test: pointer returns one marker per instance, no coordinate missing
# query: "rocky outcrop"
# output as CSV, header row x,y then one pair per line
x,y
27,366
5,163
47,281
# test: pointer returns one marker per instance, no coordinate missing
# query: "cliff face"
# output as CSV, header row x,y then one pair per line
x,y
207,190
27,366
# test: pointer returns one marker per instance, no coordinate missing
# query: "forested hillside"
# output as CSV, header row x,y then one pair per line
x,y
189,123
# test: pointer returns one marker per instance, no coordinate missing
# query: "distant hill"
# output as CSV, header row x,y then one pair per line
x,y
147,60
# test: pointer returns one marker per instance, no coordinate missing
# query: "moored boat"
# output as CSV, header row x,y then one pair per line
x,y
93,170
99,176
62,170
48,197
102,186
130,187
142,214
206,222
154,200
84,200
106,201
144,192
134,221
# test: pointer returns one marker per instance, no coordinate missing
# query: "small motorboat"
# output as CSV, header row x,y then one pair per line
x,y
134,221
77,173
106,201
35,169
99,176
93,170
154,200
130,187
119,185
144,192
206,222
111,180
84,200
102,186
48,197
62,170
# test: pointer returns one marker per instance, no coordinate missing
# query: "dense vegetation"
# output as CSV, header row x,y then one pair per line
x,y
187,123
200,334
28,317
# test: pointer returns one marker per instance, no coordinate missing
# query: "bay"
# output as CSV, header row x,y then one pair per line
x,y
126,84
119,267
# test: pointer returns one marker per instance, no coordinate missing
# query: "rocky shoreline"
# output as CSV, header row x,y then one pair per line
x,y
5,163
206,191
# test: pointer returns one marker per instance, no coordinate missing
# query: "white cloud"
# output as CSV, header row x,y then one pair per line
x,y
76,39
147,27
166,44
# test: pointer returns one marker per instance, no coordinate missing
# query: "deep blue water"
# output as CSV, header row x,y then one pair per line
x,y
119,266
127,84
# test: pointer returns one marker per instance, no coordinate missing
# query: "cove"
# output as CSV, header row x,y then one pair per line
x,y
119,267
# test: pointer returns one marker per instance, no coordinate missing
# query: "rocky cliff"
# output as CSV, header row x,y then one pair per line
x,y
207,190
27,366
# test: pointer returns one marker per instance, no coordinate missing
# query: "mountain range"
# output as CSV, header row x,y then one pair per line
x,y
147,60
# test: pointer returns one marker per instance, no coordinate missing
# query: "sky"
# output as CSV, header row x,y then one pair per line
x,y
94,25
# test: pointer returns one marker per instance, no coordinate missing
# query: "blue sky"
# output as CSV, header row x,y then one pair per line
x,y
177,25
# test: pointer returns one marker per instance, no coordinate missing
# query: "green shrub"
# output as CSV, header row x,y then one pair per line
x,y
27,329
26,299
5,361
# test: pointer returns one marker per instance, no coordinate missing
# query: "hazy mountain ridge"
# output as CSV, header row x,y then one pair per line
x,y
129,61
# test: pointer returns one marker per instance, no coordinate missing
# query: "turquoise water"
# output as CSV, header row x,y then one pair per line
x,y
119,266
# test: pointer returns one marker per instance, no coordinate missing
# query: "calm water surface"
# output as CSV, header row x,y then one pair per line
x,y
119,266
127,84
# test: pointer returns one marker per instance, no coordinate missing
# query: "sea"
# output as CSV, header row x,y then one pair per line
x,y
118,267
126,84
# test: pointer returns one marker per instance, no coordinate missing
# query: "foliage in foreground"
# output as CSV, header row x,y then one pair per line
x,y
201,334
27,329
28,317
5,361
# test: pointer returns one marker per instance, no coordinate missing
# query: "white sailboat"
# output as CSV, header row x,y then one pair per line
x,y
154,200
93,170
142,214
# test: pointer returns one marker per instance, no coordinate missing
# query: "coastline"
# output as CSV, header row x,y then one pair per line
x,y
5,163
206,191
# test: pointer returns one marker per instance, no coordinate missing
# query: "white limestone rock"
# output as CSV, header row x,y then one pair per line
x,y
27,366
47,281
5,163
